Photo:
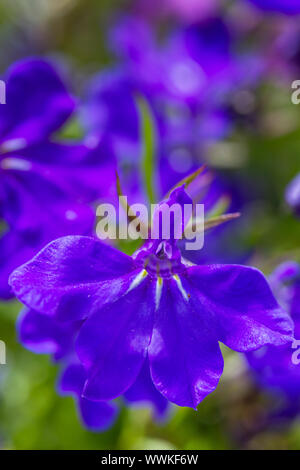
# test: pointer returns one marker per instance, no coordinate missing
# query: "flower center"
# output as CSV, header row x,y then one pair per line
x,y
159,258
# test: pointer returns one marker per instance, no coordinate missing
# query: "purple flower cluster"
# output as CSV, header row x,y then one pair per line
x,y
191,82
144,328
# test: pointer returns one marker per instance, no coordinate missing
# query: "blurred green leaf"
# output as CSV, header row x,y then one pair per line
x,y
148,160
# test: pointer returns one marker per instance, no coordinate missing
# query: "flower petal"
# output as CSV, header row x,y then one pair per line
x,y
22,210
177,198
185,359
245,309
66,274
43,335
96,416
143,391
14,250
110,105
77,171
113,343
45,103
72,379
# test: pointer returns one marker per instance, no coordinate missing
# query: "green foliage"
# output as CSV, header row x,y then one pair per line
x,y
148,160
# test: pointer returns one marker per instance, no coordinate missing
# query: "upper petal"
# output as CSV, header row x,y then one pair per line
x,y
245,311
176,221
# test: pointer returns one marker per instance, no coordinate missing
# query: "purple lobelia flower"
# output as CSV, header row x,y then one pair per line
x,y
151,305
292,194
290,7
277,368
46,184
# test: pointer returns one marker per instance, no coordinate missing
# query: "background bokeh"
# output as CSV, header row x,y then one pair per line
x,y
263,156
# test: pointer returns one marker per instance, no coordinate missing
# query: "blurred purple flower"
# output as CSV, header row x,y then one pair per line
x,y
274,368
151,305
292,194
290,7
190,82
46,185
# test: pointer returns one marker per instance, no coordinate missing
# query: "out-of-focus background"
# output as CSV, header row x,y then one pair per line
x,y
260,154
